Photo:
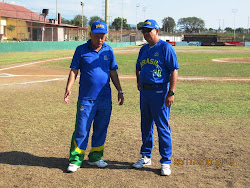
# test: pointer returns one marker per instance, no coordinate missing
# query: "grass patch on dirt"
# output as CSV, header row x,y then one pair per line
x,y
209,121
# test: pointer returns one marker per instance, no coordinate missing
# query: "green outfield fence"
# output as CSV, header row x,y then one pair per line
x,y
48,46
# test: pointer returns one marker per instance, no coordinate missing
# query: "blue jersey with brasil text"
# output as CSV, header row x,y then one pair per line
x,y
156,63
95,71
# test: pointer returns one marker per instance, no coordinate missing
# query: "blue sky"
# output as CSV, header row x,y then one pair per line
x,y
215,13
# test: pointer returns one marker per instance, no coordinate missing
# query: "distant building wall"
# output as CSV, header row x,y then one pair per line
x,y
3,24
61,35
20,30
247,44
171,38
47,46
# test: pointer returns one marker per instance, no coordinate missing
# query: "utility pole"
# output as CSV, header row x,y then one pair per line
x,y
107,13
234,11
248,26
57,11
137,5
122,21
82,4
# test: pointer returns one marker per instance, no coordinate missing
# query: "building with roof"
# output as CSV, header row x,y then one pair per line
x,y
21,24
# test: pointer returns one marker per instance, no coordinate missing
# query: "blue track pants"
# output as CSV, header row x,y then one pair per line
x,y
88,111
154,111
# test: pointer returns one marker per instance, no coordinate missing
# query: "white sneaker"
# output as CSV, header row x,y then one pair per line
x,y
100,163
165,169
72,168
143,161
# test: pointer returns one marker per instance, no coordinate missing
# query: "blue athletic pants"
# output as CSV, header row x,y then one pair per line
x,y
154,111
88,111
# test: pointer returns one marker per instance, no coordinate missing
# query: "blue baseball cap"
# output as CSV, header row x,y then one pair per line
x,y
152,24
99,27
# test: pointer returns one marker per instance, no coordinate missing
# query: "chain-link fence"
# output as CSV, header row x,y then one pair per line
x,y
124,36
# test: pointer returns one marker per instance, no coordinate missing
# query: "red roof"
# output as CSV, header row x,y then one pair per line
x,y
18,12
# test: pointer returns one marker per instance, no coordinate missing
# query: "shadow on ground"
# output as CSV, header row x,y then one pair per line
x,y
27,159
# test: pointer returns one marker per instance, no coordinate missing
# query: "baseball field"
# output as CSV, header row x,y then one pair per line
x,y
209,122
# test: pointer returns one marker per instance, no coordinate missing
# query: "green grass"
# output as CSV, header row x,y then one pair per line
x,y
126,63
20,57
191,64
201,64
224,48
64,64
217,98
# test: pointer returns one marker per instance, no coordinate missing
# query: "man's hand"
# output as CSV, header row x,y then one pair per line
x,y
138,86
120,98
71,79
169,100
66,96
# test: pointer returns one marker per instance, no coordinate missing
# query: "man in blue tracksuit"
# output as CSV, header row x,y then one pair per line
x,y
97,64
156,72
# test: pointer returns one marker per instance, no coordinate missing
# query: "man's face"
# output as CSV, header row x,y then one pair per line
x,y
149,34
97,39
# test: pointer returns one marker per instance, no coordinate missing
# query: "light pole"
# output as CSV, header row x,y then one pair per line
x,y
122,21
107,12
234,11
137,5
57,11
82,4
248,26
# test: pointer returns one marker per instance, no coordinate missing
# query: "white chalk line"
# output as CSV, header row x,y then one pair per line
x,y
43,61
224,61
4,75
14,75
197,78
122,77
31,82
215,79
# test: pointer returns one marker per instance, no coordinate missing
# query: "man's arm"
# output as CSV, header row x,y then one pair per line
x,y
173,80
116,82
137,73
71,80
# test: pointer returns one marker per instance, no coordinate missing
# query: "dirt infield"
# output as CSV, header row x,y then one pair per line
x,y
209,123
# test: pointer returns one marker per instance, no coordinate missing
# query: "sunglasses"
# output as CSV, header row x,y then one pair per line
x,y
146,30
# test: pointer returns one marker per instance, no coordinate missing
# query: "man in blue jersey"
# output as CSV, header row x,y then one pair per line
x,y
156,72
97,64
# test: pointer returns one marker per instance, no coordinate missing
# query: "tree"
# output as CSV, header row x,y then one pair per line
x,y
229,29
239,30
191,24
210,29
65,21
117,24
93,19
168,24
77,21
140,24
